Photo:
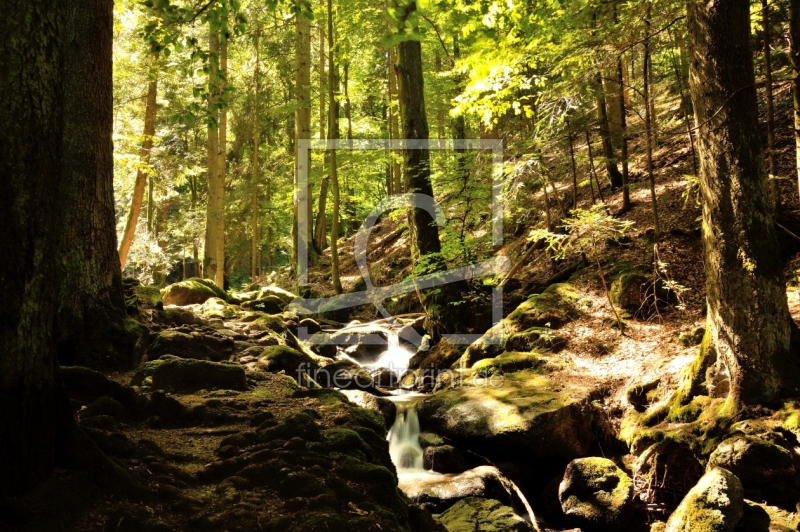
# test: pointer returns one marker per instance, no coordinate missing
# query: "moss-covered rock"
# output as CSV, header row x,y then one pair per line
x,y
269,305
218,308
535,338
149,296
553,308
86,385
187,375
192,291
715,504
291,361
444,459
194,345
597,492
756,462
483,481
628,290
508,362
520,412
486,515
671,467
276,291
763,518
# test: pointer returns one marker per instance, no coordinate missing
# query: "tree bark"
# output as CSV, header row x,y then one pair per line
x,y
748,317
773,188
222,167
91,326
623,124
394,123
605,134
794,57
255,248
141,173
302,129
30,163
333,134
648,125
211,260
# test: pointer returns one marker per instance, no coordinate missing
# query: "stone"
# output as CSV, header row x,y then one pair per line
x,y
217,308
283,358
312,327
628,290
596,492
192,291
715,504
522,412
430,439
692,338
276,291
444,459
268,305
553,308
763,518
191,345
188,375
486,515
756,462
364,343
438,494
535,338
87,385
672,465
508,362
103,406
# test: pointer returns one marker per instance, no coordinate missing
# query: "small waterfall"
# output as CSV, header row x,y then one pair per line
x,y
403,437
395,358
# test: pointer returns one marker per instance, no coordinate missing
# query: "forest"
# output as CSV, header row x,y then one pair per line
x,y
410,265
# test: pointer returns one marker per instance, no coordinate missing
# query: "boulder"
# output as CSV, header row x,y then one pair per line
x,y
364,343
756,462
535,338
762,518
670,465
269,305
276,291
344,374
215,307
628,290
596,492
383,406
522,412
311,326
715,504
191,345
439,493
279,358
553,308
444,459
486,515
192,291
508,362
86,385
104,406
188,375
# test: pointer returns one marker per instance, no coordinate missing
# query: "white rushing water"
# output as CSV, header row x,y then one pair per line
x,y
395,358
403,437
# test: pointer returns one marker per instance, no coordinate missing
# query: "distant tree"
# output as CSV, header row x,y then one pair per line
x,y
749,327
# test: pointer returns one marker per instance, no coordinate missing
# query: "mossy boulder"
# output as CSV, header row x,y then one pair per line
x,y
508,362
763,518
385,407
444,459
194,345
269,305
715,504
282,358
87,385
521,412
756,462
188,375
597,492
486,515
148,296
218,308
671,467
535,338
192,291
276,291
628,290
554,308
364,343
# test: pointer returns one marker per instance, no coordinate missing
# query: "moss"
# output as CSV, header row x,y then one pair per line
x,y
626,290
278,358
715,504
149,296
596,490
218,308
554,307
693,379
640,395
686,413
507,362
268,323
192,291
268,304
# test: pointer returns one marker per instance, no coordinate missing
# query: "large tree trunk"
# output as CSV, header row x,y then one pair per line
x,y
255,247
775,195
91,325
605,134
141,173
222,166
748,317
394,123
333,134
302,128
211,259
30,163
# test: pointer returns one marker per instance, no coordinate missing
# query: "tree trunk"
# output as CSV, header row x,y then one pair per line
x,y
748,317
623,126
211,260
394,122
605,134
593,169
648,125
333,134
302,129
794,56
321,54
255,248
773,188
91,326
30,163
574,170
141,173
222,167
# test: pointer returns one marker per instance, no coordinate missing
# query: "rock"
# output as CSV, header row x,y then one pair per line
x,y
486,515
247,295
192,291
104,406
596,492
269,305
194,345
489,345
312,327
535,338
344,374
280,293
553,308
524,413
438,494
87,385
628,290
217,308
429,439
421,520
508,362
757,463
639,395
291,361
444,459
762,518
669,464
148,296
715,504
364,343
188,375
692,338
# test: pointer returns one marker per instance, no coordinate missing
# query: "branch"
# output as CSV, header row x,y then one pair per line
x,y
435,29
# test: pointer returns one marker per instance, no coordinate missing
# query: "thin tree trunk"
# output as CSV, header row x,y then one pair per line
x,y
574,170
321,76
302,131
222,167
141,173
605,134
255,248
794,57
626,193
592,168
333,134
648,120
773,170
211,259
30,390
439,110
394,122
749,325
347,109
686,102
